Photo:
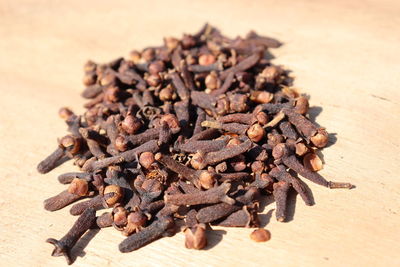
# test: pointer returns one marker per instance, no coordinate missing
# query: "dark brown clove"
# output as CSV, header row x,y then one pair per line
x,y
242,218
149,234
215,212
191,220
210,196
98,202
195,237
60,201
288,131
318,136
129,155
243,65
280,195
181,109
64,245
260,235
205,135
181,89
282,175
203,145
67,178
221,210
184,171
289,159
50,162
201,160
233,127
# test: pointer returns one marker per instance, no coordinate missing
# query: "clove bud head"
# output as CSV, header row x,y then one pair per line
x,y
71,143
301,149
166,94
197,161
279,151
302,105
78,187
131,124
256,132
118,194
206,59
233,142
320,139
262,118
156,67
260,235
171,120
119,217
312,162
121,144
196,238
207,179
261,97
146,159
136,221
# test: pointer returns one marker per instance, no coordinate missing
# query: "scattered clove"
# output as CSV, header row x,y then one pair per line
x,y
260,235
195,237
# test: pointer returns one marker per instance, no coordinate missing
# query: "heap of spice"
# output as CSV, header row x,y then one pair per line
x,y
192,133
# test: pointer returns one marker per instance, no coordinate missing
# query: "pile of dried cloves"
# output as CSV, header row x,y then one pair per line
x,y
191,133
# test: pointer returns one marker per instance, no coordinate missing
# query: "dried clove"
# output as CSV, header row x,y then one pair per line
x,y
280,195
65,244
198,129
60,201
201,160
154,231
260,235
195,237
210,196
98,202
242,218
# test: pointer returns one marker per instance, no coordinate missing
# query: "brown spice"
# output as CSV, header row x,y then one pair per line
x,y
199,128
260,235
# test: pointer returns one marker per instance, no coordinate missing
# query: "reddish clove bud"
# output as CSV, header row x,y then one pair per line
x,y
312,161
196,237
78,187
131,124
320,139
146,159
65,113
260,235
117,194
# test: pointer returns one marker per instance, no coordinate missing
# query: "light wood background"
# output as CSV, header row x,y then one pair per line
x,y
345,54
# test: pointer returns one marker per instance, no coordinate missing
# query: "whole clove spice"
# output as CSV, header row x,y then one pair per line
x,y
195,131
280,195
65,244
260,235
195,236
156,230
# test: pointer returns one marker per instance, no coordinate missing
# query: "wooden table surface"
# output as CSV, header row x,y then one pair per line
x,y
345,54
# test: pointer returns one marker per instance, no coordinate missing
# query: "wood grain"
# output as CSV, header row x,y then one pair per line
x,y
345,54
